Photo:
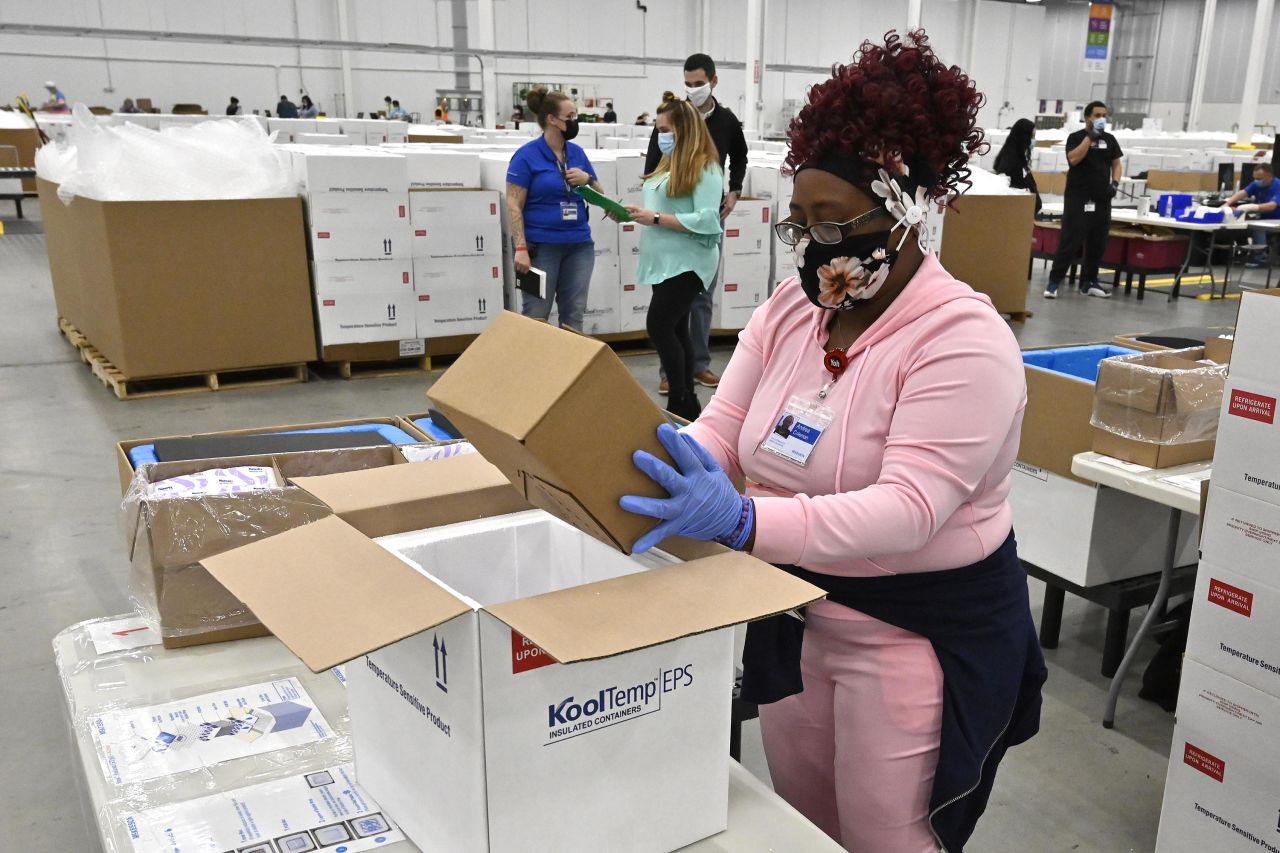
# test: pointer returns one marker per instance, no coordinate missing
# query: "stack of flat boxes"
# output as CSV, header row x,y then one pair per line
x,y
1221,793
457,244
357,205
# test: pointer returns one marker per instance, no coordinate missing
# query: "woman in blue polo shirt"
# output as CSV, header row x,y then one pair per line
x,y
548,220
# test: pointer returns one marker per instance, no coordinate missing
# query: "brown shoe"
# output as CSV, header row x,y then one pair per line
x,y
707,379
664,387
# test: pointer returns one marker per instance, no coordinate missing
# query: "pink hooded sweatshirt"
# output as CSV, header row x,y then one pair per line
x,y
912,474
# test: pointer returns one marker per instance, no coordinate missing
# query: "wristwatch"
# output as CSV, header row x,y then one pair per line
x,y
657,218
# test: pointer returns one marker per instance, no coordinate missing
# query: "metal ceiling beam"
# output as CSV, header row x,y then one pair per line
x,y
63,31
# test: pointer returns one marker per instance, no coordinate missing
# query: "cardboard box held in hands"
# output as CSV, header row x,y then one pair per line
x,y
497,660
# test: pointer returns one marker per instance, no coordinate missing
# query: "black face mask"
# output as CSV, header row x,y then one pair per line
x,y
843,274
570,129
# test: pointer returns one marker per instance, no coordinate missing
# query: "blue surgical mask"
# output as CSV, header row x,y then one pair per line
x,y
1100,124
666,142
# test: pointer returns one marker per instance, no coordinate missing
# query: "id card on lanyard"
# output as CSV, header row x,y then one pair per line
x,y
568,207
797,430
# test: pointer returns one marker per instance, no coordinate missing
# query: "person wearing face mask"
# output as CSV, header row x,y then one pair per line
x,y
1265,193
873,406
680,248
548,219
731,144
1014,159
1093,174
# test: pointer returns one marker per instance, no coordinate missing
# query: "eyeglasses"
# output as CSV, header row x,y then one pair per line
x,y
828,233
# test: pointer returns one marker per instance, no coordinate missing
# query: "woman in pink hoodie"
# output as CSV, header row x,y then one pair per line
x,y
873,406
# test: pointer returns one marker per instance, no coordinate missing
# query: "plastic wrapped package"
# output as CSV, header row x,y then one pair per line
x,y
168,536
1167,397
215,159
225,792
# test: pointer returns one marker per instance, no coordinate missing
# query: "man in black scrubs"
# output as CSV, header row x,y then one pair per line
x,y
1093,173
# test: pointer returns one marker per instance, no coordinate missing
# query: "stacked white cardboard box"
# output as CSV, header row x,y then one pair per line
x,y
357,204
1223,788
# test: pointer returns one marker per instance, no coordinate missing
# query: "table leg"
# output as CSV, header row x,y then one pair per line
x,y
1153,613
1176,290
1051,616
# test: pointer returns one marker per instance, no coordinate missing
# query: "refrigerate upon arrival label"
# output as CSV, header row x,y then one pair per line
x,y
1209,765
1230,597
526,656
1256,407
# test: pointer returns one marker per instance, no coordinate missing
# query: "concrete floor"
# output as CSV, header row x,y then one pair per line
x,y
1075,787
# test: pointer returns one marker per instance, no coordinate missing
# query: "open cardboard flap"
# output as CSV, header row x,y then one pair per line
x,y
332,594
411,496
563,431
636,611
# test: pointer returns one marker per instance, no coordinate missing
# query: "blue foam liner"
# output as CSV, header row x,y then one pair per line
x,y
145,454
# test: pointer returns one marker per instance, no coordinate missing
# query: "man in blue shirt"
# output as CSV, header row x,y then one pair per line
x,y
1266,204
286,108
398,112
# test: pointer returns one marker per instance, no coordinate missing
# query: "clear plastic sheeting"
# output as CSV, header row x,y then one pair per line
x,y
215,159
1167,397
207,805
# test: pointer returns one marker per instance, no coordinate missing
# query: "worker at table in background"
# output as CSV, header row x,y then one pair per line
x,y
1093,173
1265,193
1014,159
57,102
873,407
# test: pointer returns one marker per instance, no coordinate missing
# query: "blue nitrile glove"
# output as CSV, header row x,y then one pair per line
x,y
703,503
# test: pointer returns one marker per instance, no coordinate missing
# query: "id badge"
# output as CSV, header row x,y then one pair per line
x,y
568,211
1090,207
797,430
1101,145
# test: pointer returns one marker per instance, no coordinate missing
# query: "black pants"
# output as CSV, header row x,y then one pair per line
x,y
668,327
1079,227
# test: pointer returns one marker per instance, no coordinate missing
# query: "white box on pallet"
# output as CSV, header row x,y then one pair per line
x,y
358,211
743,286
1243,533
633,306
604,233
322,139
458,306
1235,626
330,278
748,229
603,299
1217,796
359,318
332,169
1247,457
452,224
630,168
286,129
361,244
431,169
1247,718
1091,536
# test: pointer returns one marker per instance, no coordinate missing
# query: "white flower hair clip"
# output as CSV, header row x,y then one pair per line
x,y
905,210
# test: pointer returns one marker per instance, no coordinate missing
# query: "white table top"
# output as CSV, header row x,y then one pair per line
x,y
1130,216
1150,483
758,819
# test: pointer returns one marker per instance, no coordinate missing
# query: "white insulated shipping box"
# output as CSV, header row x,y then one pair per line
x,y
1242,533
603,299
1235,626
743,287
349,170
633,307
456,296
357,211
431,169
366,317
748,230
455,223
330,278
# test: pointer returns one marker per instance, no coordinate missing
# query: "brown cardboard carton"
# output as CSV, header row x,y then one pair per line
x,y
1158,409
125,470
987,244
556,429
62,236
26,140
1218,348
1051,183
216,285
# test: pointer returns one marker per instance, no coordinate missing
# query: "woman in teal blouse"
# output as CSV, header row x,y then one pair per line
x,y
680,250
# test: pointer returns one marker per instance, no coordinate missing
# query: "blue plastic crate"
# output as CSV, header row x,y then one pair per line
x,y
1209,217
1080,362
1172,204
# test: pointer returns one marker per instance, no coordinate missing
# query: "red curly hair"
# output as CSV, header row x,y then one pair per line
x,y
895,101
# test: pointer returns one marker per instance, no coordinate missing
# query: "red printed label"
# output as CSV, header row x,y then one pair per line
x,y
405,278
628,228
402,211
494,272
1230,597
493,210
526,656
322,235
764,215
1256,407
730,288
628,287
421,232
1209,765
329,303
731,232
424,297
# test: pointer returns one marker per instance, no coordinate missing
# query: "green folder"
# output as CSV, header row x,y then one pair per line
x,y
590,196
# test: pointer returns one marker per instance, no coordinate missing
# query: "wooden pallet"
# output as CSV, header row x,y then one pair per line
x,y
179,384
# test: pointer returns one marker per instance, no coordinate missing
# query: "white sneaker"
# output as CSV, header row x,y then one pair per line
x,y
1051,291
1096,289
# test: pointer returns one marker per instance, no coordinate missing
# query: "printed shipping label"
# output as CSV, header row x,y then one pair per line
x,y
1209,765
414,346
1256,407
322,810
1230,597
129,632
137,744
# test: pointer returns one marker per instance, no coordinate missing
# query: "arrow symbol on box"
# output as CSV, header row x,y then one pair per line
x,y
442,663
129,631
